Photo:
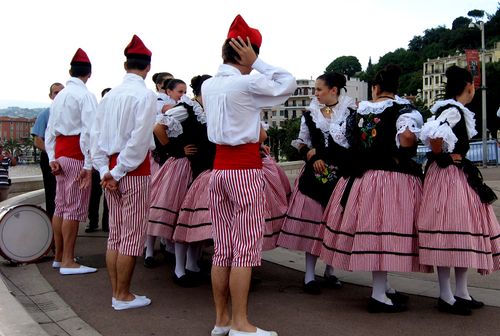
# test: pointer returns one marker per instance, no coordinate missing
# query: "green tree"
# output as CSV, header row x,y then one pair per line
x,y
347,65
460,22
476,14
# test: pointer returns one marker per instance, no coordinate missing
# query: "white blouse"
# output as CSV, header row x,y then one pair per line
x,y
124,125
176,115
72,113
233,101
441,127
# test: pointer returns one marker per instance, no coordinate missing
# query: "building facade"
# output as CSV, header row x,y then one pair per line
x,y
299,101
434,79
15,128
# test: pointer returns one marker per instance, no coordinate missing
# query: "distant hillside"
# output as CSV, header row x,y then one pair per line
x,y
20,112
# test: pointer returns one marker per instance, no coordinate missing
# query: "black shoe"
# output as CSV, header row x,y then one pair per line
x,y
458,308
91,229
150,262
185,281
472,304
312,287
398,297
375,306
331,281
254,282
200,277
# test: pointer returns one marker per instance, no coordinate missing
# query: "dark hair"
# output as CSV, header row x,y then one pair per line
x,y
137,64
456,80
388,78
172,83
53,85
103,92
196,82
159,77
229,55
334,79
80,70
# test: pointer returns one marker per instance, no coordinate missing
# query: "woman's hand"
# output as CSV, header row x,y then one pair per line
x,y
319,166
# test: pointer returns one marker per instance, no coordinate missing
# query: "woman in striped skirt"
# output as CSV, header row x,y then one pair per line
x,y
371,217
457,226
313,187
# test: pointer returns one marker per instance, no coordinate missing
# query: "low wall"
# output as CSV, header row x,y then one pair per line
x,y
25,184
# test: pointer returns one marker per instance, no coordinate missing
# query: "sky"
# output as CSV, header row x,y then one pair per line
x,y
40,37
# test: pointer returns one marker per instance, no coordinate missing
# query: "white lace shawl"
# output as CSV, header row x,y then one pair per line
x,y
176,115
441,127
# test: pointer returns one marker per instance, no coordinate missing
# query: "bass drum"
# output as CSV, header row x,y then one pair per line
x,y
25,233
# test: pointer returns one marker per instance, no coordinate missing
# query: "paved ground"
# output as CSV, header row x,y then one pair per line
x,y
80,305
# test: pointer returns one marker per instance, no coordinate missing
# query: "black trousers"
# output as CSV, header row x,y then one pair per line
x,y
49,184
94,204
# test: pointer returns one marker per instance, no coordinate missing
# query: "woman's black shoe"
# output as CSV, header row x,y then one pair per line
x,y
312,287
472,304
150,262
331,281
185,281
375,306
458,308
398,297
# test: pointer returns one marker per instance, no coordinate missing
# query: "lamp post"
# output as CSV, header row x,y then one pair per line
x,y
480,25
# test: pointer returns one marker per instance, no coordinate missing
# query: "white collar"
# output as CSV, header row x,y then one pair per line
x,y
469,116
369,107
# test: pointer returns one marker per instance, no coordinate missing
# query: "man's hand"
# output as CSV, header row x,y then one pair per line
x,y
190,150
266,149
108,182
84,178
55,167
245,51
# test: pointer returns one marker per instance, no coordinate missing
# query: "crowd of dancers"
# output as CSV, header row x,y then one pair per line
x,y
193,171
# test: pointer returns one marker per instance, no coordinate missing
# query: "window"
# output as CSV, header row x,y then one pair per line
x,y
294,114
286,114
274,123
274,113
282,113
304,102
426,81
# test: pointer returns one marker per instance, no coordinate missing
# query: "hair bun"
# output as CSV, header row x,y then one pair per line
x,y
393,70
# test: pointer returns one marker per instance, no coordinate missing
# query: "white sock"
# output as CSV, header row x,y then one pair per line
x,y
169,246
379,281
388,288
329,270
310,266
180,259
445,292
150,246
192,257
461,283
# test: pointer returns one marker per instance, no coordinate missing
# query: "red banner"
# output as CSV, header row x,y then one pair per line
x,y
474,66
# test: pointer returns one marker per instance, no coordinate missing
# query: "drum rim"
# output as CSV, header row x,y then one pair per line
x,y
7,209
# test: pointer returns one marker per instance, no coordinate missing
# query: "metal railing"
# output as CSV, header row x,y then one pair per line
x,y
475,153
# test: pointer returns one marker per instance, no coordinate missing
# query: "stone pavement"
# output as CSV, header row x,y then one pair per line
x,y
80,305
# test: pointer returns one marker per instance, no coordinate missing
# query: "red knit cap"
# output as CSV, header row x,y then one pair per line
x,y
80,58
137,49
240,28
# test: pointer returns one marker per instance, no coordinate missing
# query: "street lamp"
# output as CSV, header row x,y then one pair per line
x,y
480,25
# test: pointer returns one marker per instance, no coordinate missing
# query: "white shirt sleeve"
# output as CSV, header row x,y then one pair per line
x,y
89,105
412,121
304,136
273,85
50,138
441,127
100,159
138,144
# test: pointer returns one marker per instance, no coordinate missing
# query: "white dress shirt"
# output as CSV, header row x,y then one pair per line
x,y
71,113
124,124
233,101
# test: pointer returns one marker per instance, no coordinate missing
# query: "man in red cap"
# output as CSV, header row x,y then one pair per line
x,y
122,138
67,142
233,99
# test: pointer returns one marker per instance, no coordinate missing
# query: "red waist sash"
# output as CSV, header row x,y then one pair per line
x,y
68,146
144,168
246,156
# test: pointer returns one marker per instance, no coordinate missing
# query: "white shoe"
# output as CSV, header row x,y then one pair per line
x,y
80,270
220,331
56,264
113,299
139,301
259,332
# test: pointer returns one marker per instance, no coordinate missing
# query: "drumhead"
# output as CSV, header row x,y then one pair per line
x,y
25,233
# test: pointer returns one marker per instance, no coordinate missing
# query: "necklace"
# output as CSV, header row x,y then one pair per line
x,y
384,96
328,108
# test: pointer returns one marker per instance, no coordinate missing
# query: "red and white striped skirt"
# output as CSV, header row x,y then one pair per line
x,y
128,215
194,223
276,196
302,225
237,212
455,228
170,185
71,202
377,230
